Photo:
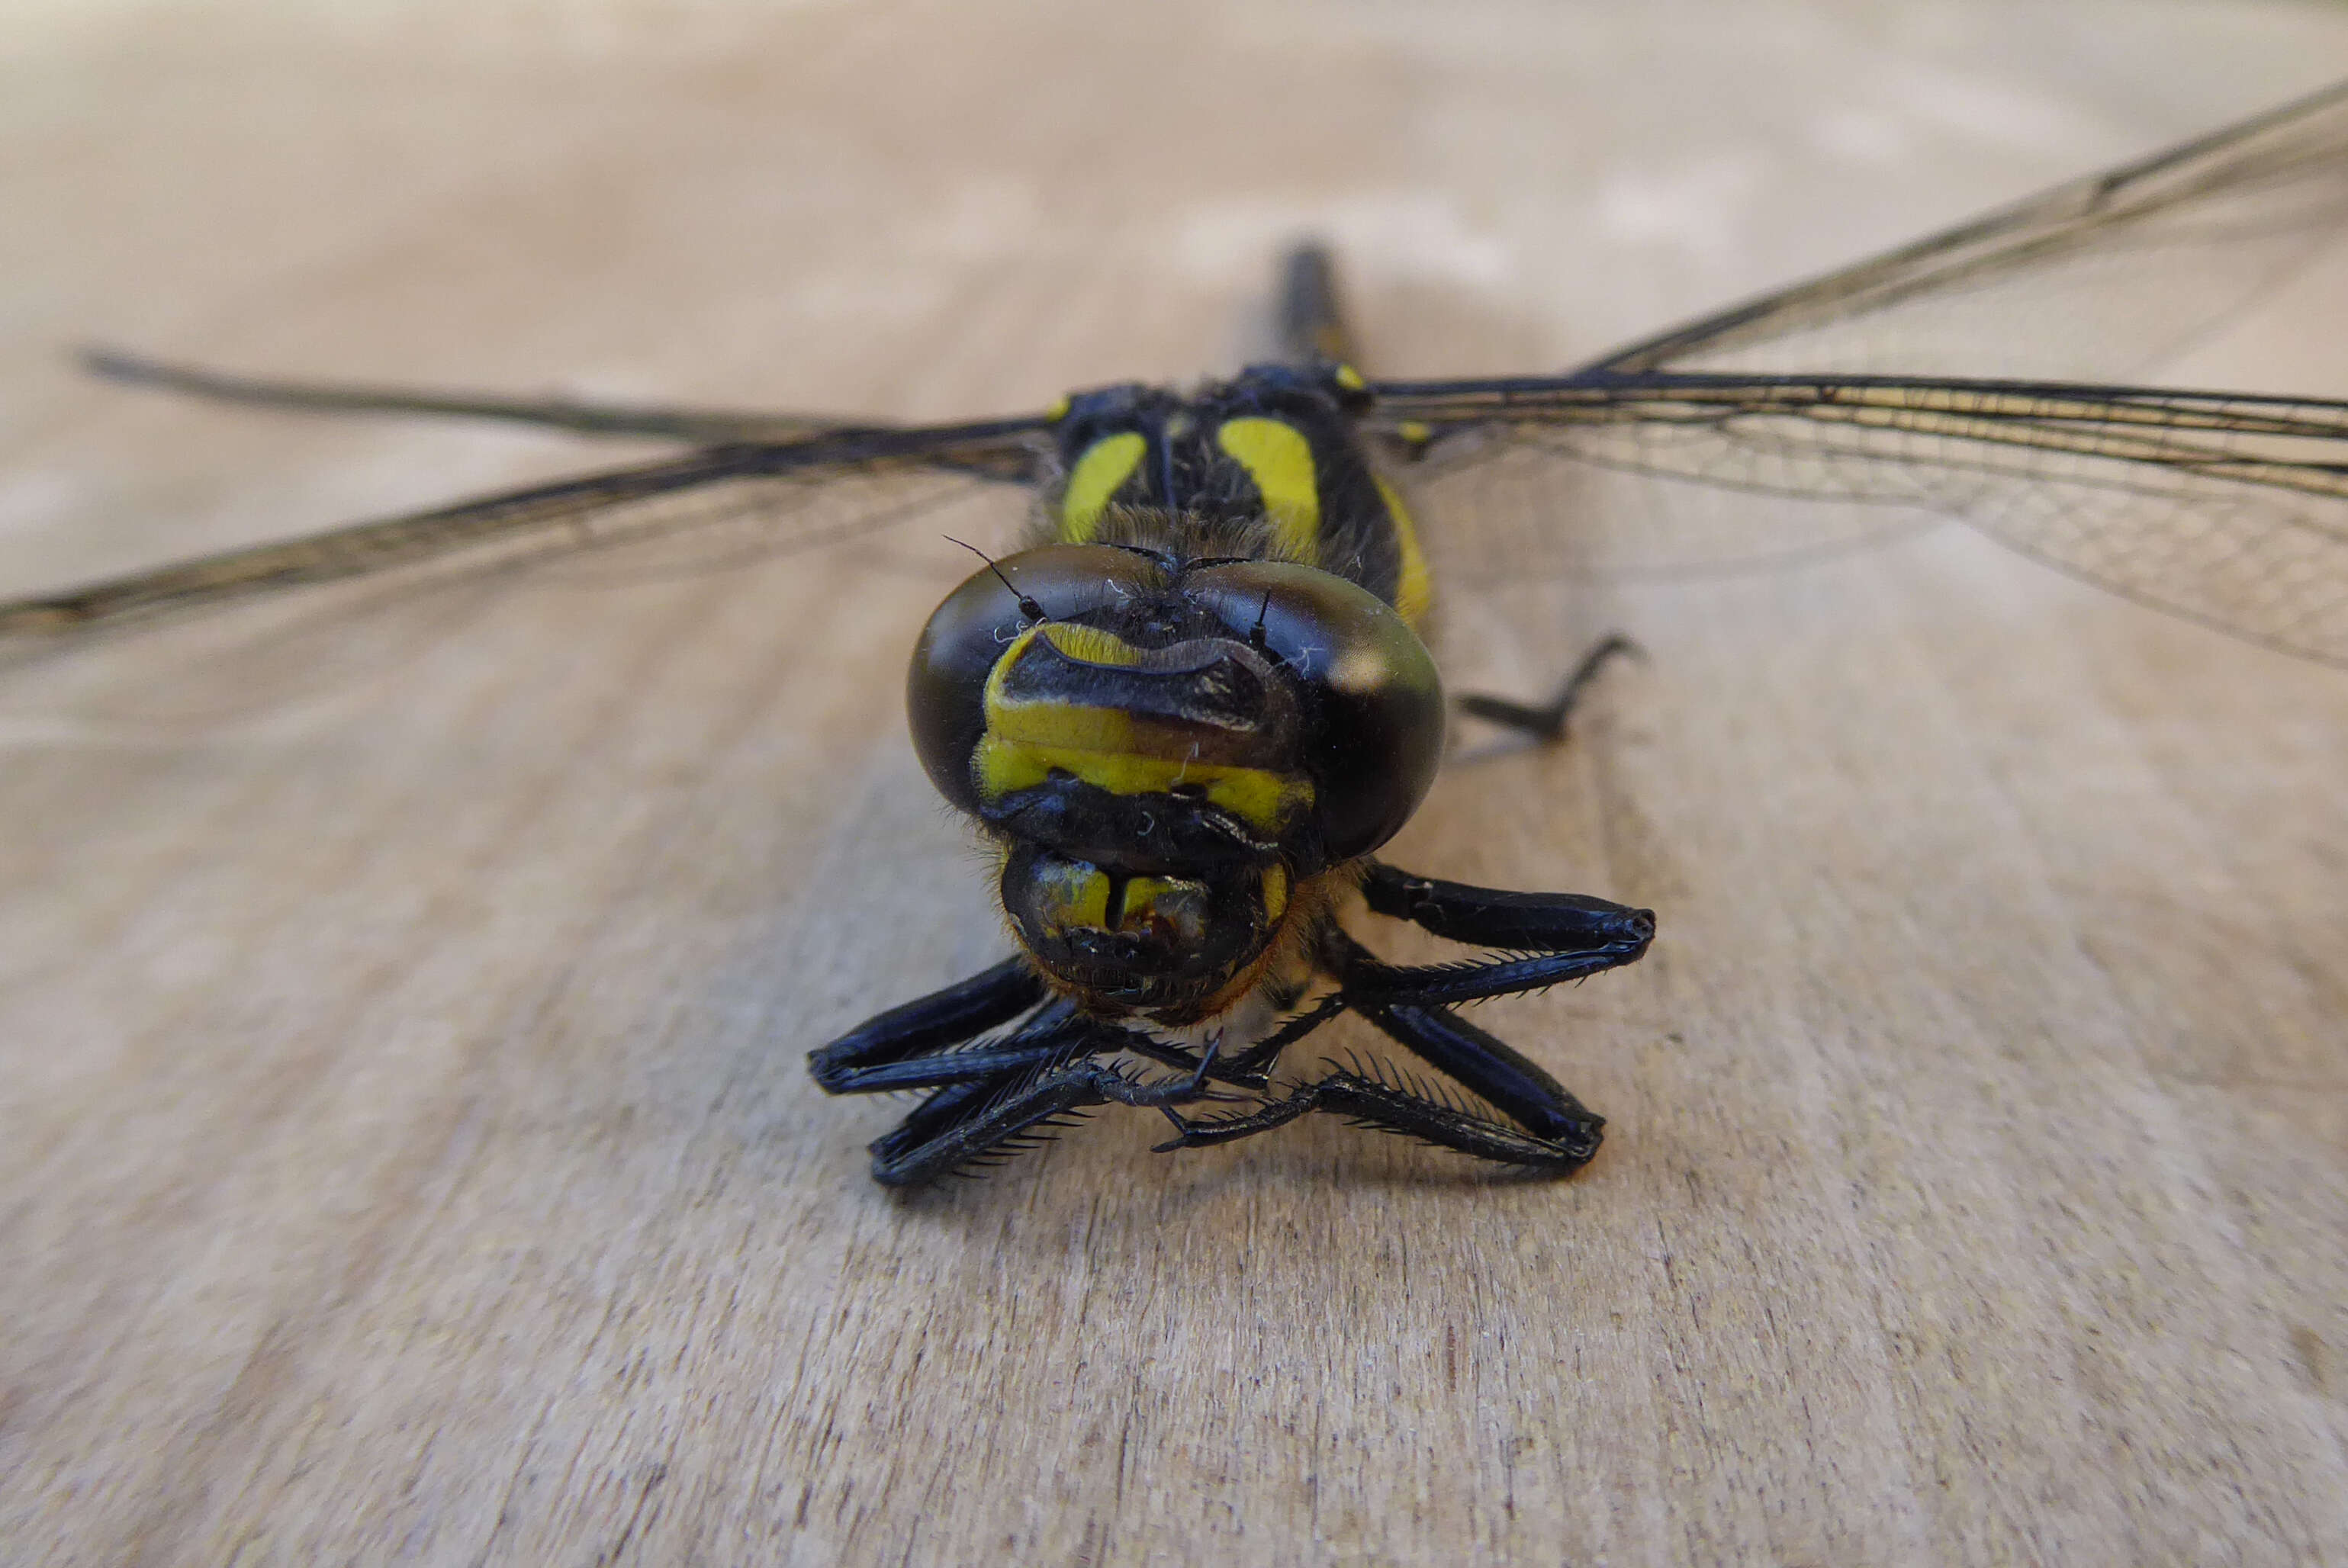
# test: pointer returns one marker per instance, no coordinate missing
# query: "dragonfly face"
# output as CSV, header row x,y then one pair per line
x,y
1175,738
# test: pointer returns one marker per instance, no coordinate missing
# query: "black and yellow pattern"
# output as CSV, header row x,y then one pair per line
x,y
1271,464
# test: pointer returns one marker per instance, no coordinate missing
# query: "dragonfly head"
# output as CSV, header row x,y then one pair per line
x,y
1165,751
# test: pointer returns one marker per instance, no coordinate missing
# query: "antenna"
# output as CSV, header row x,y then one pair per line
x,y
1027,607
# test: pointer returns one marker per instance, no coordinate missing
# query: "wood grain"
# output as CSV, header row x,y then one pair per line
x,y
405,1151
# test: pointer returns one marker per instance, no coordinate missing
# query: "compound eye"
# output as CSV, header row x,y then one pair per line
x,y
946,687
1375,734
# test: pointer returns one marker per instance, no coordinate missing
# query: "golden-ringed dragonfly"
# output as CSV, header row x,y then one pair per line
x,y
1190,710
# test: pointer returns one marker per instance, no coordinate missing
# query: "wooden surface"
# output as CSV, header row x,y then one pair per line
x,y
406,1151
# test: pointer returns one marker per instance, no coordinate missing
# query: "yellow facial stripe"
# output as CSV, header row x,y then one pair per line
x,y
1088,643
1262,800
1280,460
1063,726
1028,739
1106,466
1058,724
1415,589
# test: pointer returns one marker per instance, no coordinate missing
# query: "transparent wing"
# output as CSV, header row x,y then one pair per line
x,y
2100,279
257,624
1857,406
701,426
2230,510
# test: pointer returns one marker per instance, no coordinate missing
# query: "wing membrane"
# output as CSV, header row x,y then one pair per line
x,y
2098,279
700,426
1900,382
795,495
2232,510
246,632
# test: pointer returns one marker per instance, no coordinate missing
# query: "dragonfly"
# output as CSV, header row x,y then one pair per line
x,y
1186,711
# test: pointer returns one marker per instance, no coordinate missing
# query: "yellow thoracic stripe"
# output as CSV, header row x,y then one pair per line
x,y
1099,474
1280,460
1415,591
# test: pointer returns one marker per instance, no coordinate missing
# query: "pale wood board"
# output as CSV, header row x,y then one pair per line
x,y
405,1149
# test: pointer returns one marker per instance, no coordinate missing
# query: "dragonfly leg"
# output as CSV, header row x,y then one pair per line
x,y
1548,938
980,1121
1547,723
1525,1117
1409,1111
1053,1036
937,1022
988,1120
1493,1070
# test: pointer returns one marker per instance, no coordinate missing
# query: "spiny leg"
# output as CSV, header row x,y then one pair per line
x,y
1369,1102
1053,1036
925,1026
991,1096
1556,936
1251,1069
1554,1131
1252,1065
966,1123
1494,1072
1548,721
970,1111
1570,935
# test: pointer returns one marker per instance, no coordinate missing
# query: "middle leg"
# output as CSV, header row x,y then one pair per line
x,y
1547,722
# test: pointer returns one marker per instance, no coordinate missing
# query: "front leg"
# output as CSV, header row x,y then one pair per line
x,y
1567,936
929,1024
1056,1035
1512,921
985,1121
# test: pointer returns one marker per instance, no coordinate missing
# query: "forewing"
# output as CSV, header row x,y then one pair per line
x,y
1925,381
2100,279
257,624
2230,510
701,426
